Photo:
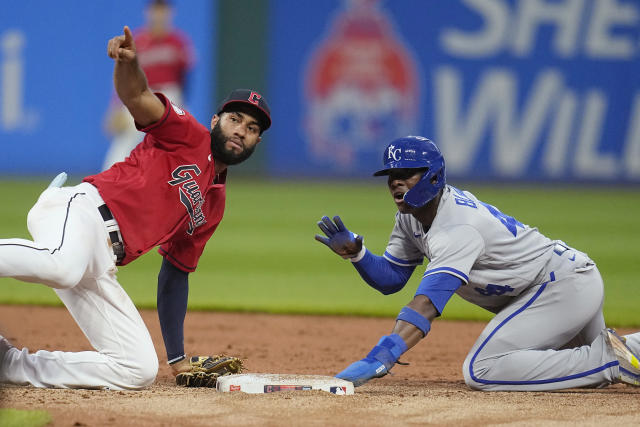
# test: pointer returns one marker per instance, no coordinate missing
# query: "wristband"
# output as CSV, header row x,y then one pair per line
x,y
360,255
177,359
409,315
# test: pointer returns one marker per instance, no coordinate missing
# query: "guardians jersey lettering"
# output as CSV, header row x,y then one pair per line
x,y
190,194
171,172
182,174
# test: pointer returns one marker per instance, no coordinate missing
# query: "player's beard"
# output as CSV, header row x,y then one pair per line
x,y
221,153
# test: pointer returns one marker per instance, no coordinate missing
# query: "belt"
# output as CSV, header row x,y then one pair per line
x,y
117,244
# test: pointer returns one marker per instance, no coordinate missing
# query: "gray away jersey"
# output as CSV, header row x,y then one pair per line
x,y
495,256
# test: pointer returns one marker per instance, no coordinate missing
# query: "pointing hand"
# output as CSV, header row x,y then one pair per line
x,y
122,48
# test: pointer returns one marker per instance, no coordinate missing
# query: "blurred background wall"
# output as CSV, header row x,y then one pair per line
x,y
515,90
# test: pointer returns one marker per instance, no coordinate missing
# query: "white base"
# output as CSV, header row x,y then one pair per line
x,y
268,383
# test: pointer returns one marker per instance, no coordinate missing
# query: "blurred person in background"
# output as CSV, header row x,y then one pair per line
x,y
166,57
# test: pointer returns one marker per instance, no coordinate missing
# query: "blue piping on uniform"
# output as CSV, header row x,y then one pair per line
x,y
401,261
533,382
452,270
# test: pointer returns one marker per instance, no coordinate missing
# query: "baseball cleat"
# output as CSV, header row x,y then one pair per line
x,y
629,368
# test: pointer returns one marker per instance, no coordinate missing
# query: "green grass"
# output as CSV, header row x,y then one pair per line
x,y
264,258
23,418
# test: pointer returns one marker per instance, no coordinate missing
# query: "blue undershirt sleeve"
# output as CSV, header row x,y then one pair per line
x,y
173,294
381,274
439,288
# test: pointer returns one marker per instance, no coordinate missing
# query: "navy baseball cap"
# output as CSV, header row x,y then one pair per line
x,y
251,98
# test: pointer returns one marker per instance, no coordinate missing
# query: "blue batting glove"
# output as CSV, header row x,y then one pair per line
x,y
378,362
58,181
339,239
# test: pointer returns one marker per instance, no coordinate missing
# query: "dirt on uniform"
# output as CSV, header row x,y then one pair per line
x,y
430,391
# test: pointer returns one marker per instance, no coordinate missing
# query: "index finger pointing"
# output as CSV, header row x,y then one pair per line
x,y
127,34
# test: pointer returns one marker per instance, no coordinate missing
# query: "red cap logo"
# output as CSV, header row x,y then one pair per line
x,y
254,98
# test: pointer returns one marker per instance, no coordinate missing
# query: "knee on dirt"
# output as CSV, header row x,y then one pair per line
x,y
141,371
474,374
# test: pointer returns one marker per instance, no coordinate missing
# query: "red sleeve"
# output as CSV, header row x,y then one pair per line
x,y
177,126
185,253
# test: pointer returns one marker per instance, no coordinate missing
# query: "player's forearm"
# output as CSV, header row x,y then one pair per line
x,y
129,80
406,326
381,274
173,294
413,324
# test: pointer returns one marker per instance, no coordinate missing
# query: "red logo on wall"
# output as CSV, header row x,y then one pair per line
x,y
361,86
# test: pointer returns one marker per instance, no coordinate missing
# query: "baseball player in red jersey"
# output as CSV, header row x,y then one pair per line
x,y
166,56
164,52
170,193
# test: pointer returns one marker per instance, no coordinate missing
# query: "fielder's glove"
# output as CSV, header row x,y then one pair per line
x,y
339,239
378,362
205,370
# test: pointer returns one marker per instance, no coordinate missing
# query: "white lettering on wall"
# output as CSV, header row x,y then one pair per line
x,y
494,103
607,28
556,126
608,16
552,115
563,16
484,42
555,156
589,163
516,137
12,71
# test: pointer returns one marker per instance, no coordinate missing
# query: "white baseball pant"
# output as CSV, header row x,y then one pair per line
x,y
71,253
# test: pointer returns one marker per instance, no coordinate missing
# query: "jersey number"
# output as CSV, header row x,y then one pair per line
x,y
494,290
508,221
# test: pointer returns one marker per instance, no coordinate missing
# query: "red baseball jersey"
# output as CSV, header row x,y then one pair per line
x,y
166,192
166,59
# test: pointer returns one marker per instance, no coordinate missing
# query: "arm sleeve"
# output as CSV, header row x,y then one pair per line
x,y
381,274
173,294
439,288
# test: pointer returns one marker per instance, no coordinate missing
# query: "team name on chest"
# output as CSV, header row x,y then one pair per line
x,y
190,195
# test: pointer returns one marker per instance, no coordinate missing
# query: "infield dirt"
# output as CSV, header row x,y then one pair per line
x,y
430,391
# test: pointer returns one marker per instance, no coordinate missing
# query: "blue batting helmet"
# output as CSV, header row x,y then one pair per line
x,y
416,152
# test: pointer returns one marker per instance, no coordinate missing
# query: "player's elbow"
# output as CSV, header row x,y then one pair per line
x,y
388,290
386,287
